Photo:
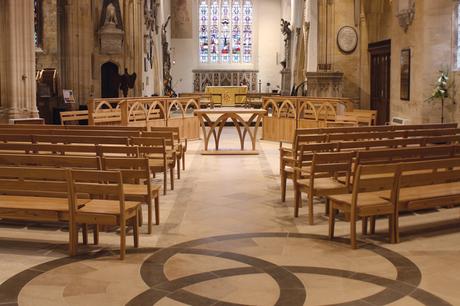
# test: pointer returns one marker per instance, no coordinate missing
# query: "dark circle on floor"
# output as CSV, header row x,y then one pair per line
x,y
406,283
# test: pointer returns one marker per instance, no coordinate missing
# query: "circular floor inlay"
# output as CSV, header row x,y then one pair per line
x,y
292,291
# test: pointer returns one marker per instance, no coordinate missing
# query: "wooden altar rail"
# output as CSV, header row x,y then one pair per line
x,y
147,112
286,114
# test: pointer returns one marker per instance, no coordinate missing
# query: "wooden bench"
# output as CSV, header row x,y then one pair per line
x,y
137,185
334,165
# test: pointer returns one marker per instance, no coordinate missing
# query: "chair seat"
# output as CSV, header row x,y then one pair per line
x,y
139,189
421,193
159,163
322,183
37,203
367,201
107,207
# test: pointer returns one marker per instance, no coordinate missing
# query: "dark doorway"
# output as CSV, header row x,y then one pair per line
x,y
380,53
110,80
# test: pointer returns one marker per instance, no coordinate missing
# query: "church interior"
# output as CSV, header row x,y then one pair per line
x,y
229,152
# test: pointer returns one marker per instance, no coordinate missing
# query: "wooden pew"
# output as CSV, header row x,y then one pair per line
x,y
371,183
334,165
155,150
137,185
107,205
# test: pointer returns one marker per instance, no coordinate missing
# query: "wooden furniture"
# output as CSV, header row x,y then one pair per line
x,y
137,185
370,184
99,210
227,95
242,126
28,121
322,179
173,147
159,161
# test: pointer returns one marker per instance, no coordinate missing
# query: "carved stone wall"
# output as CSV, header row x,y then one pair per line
x,y
203,78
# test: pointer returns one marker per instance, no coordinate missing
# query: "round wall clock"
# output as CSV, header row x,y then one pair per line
x,y
347,39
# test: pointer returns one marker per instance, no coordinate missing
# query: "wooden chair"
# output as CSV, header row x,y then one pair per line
x,y
99,210
173,148
375,193
288,158
178,140
333,165
155,150
137,184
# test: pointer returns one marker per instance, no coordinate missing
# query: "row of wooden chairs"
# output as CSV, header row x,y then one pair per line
x,y
288,162
325,172
387,189
78,190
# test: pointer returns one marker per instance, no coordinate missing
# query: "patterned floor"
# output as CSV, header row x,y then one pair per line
x,y
226,239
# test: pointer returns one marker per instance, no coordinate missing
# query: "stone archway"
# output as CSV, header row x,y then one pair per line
x,y
110,80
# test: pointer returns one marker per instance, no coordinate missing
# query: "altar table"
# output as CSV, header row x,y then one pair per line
x,y
243,127
227,95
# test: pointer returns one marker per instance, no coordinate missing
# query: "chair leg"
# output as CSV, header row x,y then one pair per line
x,y
123,237
297,201
310,209
84,228
372,225
96,234
364,225
165,181
283,187
157,210
353,232
178,168
136,232
149,216
171,170
326,206
391,228
183,161
396,226
331,221
73,239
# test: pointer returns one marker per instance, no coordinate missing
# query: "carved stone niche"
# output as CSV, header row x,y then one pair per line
x,y
324,84
111,28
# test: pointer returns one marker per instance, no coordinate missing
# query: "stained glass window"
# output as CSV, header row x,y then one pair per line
x,y
225,33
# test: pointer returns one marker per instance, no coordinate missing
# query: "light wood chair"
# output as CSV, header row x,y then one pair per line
x,y
101,186
137,184
155,150
322,178
375,193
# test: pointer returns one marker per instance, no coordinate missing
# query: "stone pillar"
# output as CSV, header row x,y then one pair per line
x,y
17,60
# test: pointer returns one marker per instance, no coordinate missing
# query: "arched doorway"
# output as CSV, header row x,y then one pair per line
x,y
110,80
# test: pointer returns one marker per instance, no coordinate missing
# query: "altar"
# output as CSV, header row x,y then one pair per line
x,y
242,126
227,95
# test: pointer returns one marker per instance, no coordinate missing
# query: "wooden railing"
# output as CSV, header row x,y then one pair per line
x,y
286,114
147,112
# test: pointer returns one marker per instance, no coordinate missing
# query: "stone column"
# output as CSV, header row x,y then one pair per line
x,y
17,60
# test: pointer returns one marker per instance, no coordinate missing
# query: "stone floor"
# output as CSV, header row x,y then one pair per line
x,y
226,239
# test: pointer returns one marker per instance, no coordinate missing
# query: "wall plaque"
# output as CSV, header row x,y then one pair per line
x,y
347,39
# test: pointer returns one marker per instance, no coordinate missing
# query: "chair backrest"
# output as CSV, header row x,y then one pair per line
x,y
369,178
96,184
117,151
80,139
174,129
307,139
133,170
87,162
170,140
430,172
334,163
305,154
34,181
7,138
382,144
48,149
